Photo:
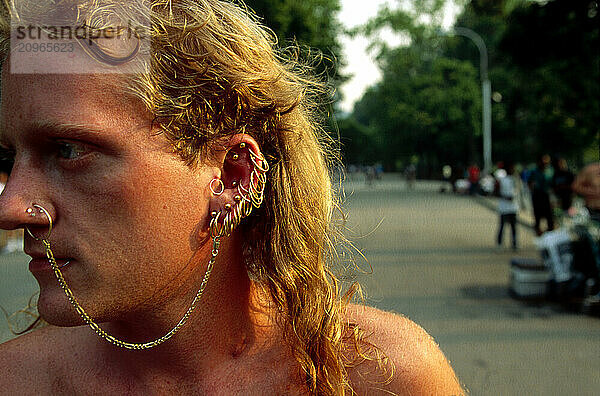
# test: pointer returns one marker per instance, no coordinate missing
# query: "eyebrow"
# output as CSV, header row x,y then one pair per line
x,y
68,130
51,128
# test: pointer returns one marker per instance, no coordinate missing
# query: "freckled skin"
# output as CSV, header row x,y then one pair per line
x,y
126,203
133,219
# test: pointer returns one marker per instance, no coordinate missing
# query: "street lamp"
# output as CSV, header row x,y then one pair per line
x,y
486,88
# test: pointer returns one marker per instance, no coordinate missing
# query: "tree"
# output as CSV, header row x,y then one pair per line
x,y
312,24
544,68
554,47
360,144
427,108
427,105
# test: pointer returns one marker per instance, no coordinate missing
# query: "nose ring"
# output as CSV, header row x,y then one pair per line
x,y
32,214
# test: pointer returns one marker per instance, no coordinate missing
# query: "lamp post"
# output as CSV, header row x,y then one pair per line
x,y
486,88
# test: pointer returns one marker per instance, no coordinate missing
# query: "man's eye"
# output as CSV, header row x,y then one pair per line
x,y
70,151
7,160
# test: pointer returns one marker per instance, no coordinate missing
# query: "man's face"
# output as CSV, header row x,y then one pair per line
x,y
126,211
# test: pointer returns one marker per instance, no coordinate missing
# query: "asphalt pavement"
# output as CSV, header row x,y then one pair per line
x,y
432,257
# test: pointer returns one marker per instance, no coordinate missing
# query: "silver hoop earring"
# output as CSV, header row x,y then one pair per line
x,y
221,186
216,229
32,214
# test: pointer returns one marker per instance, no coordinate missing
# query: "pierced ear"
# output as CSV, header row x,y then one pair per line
x,y
237,161
237,167
244,176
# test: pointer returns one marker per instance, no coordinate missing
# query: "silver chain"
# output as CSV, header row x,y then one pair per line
x,y
103,334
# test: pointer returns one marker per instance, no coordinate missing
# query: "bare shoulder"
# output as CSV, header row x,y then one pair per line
x,y
416,365
29,362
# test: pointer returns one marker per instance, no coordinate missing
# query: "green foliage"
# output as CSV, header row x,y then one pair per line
x,y
553,49
312,24
544,68
359,144
427,105
544,62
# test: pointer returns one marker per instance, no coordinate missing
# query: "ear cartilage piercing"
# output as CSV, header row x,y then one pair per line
x,y
246,198
30,212
220,188
235,157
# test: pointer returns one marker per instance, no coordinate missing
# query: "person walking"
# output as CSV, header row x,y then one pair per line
x,y
474,174
540,195
507,205
561,184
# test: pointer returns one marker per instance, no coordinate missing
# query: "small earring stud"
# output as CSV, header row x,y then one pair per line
x,y
235,157
237,198
227,206
213,213
234,183
30,212
242,145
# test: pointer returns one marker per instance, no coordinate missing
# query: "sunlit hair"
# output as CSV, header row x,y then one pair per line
x,y
214,72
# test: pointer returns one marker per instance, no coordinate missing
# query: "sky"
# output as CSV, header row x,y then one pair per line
x,y
359,62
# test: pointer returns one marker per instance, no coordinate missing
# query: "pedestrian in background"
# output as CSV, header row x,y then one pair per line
x,y
474,173
508,207
539,185
561,184
410,173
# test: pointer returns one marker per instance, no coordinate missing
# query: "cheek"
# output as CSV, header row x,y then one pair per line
x,y
100,194
148,205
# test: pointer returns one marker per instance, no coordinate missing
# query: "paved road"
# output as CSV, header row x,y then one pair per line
x,y
434,260
17,286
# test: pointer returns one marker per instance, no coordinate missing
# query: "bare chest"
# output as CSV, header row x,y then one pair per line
x,y
231,379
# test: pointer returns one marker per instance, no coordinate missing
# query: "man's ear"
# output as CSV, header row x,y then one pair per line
x,y
232,156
